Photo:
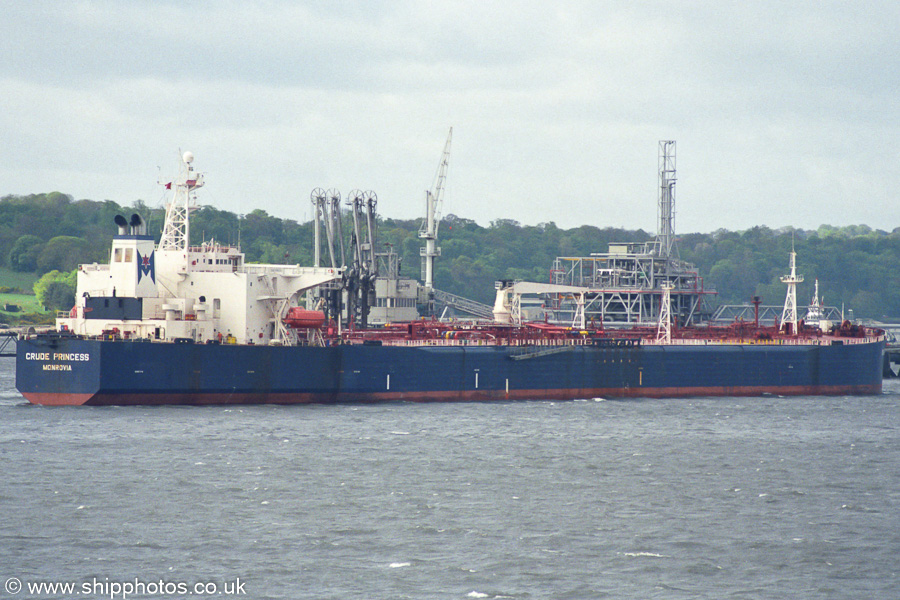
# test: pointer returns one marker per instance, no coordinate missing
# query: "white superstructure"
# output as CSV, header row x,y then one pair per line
x,y
176,291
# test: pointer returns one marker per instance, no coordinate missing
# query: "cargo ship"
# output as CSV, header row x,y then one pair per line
x,y
175,323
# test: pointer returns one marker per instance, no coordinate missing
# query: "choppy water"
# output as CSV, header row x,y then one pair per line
x,y
709,498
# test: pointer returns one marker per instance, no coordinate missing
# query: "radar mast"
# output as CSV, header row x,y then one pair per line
x,y
176,231
789,314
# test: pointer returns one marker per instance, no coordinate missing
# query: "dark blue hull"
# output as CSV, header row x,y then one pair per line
x,y
65,371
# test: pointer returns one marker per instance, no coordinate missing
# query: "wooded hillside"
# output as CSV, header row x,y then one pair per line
x,y
855,265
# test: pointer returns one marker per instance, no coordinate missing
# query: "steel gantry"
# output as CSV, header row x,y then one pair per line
x,y
626,283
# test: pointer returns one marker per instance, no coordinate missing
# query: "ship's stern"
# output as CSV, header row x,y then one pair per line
x,y
57,370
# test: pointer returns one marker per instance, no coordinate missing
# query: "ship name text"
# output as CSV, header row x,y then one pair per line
x,y
63,356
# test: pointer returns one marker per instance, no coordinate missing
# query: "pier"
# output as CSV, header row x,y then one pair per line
x,y
8,344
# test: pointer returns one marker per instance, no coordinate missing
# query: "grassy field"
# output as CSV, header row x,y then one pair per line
x,y
10,278
28,302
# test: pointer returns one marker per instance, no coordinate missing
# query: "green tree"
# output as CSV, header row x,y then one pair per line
x,y
24,254
56,290
856,266
64,253
59,296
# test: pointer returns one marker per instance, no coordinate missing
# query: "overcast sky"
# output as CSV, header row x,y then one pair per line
x,y
785,113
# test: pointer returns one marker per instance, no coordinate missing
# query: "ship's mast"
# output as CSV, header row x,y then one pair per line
x,y
176,231
664,328
429,229
789,314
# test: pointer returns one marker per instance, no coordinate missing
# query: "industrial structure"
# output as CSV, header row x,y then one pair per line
x,y
626,283
372,291
350,300
434,199
633,283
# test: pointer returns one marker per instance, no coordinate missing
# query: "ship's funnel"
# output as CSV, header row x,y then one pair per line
x,y
122,223
137,225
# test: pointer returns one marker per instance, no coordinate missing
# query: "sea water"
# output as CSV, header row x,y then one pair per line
x,y
767,497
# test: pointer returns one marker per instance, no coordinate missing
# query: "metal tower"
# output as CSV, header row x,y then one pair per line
x,y
176,231
626,282
664,328
428,230
665,236
789,314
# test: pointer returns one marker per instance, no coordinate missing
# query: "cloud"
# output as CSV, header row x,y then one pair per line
x,y
785,114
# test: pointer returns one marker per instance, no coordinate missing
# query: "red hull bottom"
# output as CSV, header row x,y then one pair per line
x,y
199,399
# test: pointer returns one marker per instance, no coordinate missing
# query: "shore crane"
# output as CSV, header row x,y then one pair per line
x,y
429,229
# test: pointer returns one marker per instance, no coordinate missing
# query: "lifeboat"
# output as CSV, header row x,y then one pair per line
x,y
301,318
